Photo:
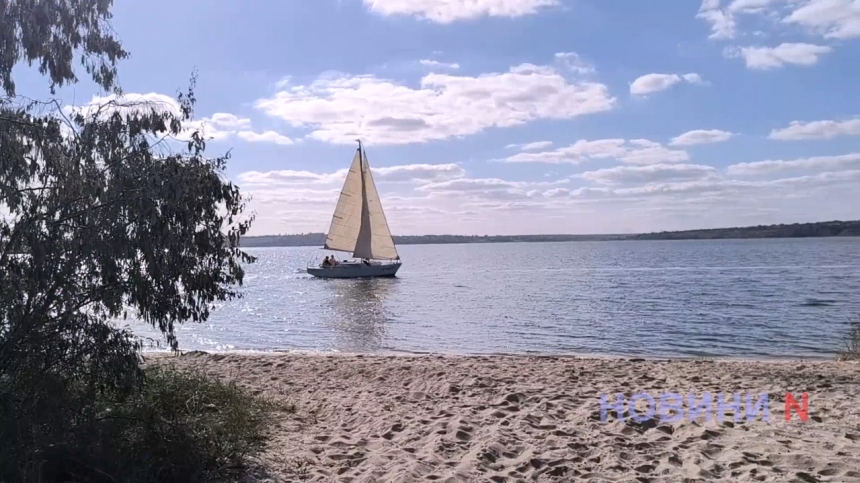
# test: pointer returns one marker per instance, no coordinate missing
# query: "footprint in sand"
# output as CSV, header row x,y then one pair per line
x,y
558,471
806,477
464,433
396,428
490,455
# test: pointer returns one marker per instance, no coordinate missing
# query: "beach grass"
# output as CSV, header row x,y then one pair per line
x,y
851,345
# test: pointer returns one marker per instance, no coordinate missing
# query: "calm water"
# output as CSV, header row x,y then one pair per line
x,y
739,298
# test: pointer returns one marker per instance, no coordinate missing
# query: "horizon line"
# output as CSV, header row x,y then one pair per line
x,y
589,234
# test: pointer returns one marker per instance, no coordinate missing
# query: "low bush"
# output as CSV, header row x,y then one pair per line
x,y
851,344
181,426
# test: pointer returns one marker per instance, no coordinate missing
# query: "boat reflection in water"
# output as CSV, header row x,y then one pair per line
x,y
359,316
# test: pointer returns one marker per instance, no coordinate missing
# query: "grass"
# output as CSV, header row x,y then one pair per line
x,y
182,426
851,344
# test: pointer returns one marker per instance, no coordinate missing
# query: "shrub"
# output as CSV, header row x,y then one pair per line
x,y
851,348
181,426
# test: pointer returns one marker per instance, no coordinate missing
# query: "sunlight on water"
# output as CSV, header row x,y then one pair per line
x,y
739,298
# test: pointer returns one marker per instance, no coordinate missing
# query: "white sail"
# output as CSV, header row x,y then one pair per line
x,y
374,239
359,224
346,222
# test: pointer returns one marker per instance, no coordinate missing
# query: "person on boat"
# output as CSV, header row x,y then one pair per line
x,y
326,262
333,261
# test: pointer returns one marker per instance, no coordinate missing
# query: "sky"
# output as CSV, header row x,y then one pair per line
x,y
514,116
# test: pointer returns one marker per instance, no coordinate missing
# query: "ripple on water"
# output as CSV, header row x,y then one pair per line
x,y
737,298
818,303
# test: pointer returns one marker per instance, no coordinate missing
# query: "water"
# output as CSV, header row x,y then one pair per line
x,y
737,298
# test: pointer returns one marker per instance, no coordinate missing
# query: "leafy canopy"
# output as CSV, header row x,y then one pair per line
x,y
103,210
50,32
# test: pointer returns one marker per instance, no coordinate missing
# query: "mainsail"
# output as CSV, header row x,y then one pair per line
x,y
359,225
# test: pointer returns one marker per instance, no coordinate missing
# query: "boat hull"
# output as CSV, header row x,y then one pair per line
x,y
356,270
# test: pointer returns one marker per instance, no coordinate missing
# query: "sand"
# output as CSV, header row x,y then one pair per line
x,y
380,418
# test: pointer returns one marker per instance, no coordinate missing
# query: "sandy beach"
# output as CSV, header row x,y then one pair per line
x,y
369,418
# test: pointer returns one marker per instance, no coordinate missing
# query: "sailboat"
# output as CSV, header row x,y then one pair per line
x,y
359,226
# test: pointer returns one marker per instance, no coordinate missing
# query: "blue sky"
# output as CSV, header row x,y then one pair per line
x,y
516,116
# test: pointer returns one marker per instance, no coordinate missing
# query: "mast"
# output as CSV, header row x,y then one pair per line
x,y
365,232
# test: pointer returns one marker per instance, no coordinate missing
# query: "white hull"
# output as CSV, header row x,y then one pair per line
x,y
356,270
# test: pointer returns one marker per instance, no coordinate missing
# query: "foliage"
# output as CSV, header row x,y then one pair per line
x,y
102,221
101,213
50,32
851,348
183,426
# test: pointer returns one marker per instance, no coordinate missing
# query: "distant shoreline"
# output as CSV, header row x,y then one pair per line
x,y
795,230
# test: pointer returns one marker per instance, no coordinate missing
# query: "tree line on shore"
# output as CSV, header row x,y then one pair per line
x,y
795,230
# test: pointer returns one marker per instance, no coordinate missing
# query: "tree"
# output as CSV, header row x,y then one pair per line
x,y
100,214
51,32
110,219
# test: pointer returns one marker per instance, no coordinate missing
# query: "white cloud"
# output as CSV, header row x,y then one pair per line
x,y
701,136
441,65
798,130
535,146
409,173
693,78
448,11
229,121
414,196
765,58
649,174
266,137
287,177
636,151
750,6
650,83
490,194
829,19
572,61
469,184
422,199
758,190
219,126
837,19
418,173
342,108
723,24
829,163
